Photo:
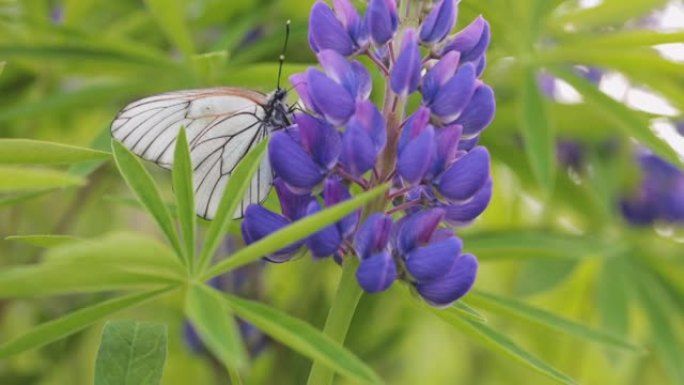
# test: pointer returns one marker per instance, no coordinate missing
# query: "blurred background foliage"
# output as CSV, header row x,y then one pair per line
x,y
553,237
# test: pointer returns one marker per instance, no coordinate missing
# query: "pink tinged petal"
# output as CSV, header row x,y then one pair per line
x,y
324,242
414,126
416,230
319,139
479,113
293,205
377,273
454,96
382,20
373,235
463,213
417,156
405,74
446,148
439,22
300,85
292,163
452,286
439,74
326,31
331,99
434,260
465,176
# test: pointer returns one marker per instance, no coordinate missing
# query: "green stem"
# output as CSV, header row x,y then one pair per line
x,y
339,318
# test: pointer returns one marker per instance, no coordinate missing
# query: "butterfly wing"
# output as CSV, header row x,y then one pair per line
x,y
222,125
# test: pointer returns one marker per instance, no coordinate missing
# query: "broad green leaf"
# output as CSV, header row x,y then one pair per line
x,y
658,310
26,151
131,353
71,323
215,324
499,343
506,244
183,188
623,117
537,131
170,15
303,338
515,308
140,181
298,230
238,183
43,240
24,179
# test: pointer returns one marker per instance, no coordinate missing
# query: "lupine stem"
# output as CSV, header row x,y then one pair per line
x,y
339,317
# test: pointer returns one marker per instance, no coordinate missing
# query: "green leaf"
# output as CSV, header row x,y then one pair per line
x,y
69,324
658,310
24,179
43,240
622,116
501,344
613,296
303,338
467,311
171,18
506,244
183,188
515,308
13,199
131,353
215,324
26,151
140,181
298,230
537,131
609,12
233,194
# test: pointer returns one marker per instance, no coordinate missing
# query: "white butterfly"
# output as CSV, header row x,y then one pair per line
x,y
222,125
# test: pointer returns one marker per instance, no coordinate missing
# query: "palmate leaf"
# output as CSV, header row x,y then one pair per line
x,y
131,353
140,181
216,326
499,343
71,323
298,230
185,196
515,308
232,196
302,338
26,151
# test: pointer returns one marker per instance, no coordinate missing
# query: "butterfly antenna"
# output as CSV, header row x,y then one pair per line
x,y
281,58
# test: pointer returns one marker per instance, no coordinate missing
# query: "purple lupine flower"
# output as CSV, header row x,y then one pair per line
x,y
440,177
659,196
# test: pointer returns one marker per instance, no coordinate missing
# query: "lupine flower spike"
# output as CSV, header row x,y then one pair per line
x,y
440,177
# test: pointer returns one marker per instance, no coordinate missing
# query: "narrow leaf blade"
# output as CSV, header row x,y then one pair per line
x,y
71,323
26,179
185,197
216,326
140,181
294,232
26,151
232,196
43,240
303,338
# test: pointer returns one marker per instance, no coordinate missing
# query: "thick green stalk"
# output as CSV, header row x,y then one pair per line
x,y
339,317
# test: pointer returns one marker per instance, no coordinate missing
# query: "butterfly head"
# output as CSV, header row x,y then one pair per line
x,y
277,112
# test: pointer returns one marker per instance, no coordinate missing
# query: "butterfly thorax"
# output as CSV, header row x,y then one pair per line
x,y
277,113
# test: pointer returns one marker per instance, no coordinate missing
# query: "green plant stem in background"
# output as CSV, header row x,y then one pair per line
x,y
339,318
